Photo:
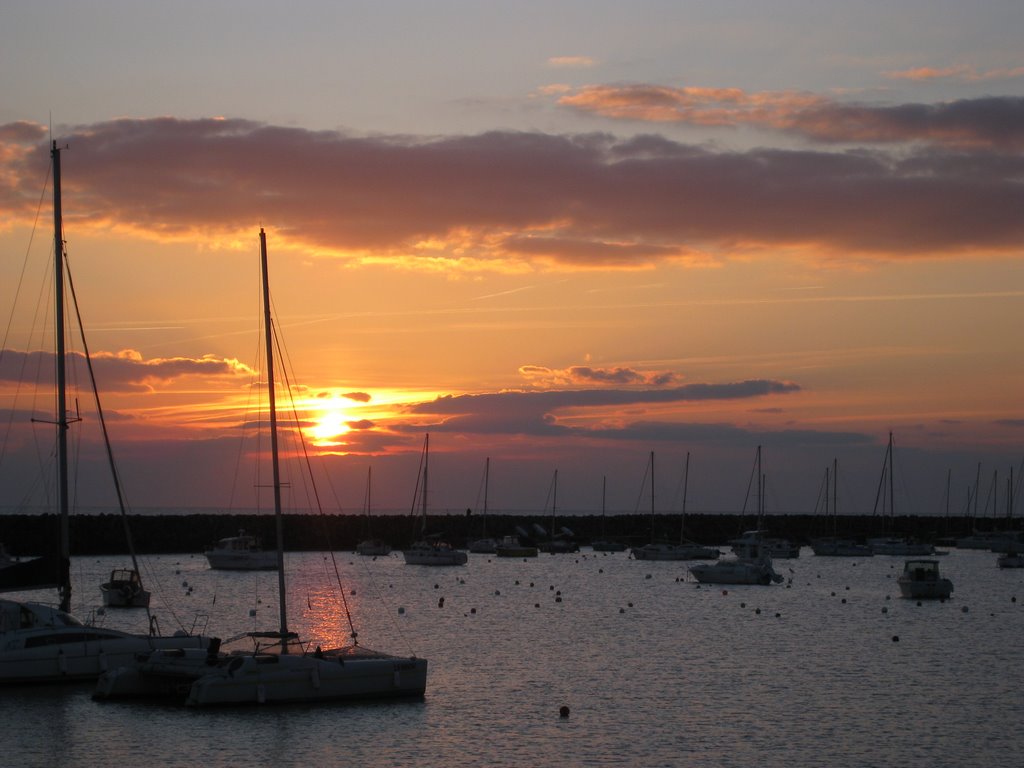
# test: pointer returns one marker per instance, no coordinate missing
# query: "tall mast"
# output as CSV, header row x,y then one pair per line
x,y
835,490
487,479
686,484
892,496
275,460
62,409
426,463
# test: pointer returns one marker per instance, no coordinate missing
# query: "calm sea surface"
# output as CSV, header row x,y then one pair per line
x,y
656,670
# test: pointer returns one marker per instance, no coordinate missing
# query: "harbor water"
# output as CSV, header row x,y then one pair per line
x,y
831,667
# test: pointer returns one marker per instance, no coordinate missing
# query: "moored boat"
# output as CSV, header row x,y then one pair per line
x,y
921,580
243,552
279,668
124,590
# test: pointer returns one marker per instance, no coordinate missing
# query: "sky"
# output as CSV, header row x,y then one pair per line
x,y
560,236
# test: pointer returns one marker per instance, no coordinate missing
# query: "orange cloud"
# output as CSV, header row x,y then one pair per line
x,y
991,122
962,73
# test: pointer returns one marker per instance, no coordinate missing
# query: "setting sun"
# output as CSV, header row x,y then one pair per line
x,y
330,423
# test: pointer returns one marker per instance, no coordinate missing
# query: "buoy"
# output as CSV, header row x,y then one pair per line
x,y
440,603
757,611
497,591
725,591
401,610
536,605
964,609
436,586
743,605
472,610
252,611
918,603
563,711
647,576
622,610
843,601
778,615
884,609
895,638
629,604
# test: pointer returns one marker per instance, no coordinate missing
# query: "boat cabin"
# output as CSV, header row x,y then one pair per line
x,y
921,570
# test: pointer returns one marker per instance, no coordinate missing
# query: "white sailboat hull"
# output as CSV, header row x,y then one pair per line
x,y
736,572
228,560
57,648
203,681
432,556
674,552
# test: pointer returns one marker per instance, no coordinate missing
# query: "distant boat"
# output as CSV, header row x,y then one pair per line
x,y
753,561
485,545
124,590
562,541
754,568
1012,559
836,546
683,550
603,544
430,549
772,546
515,546
41,643
243,552
371,547
894,545
920,580
5,557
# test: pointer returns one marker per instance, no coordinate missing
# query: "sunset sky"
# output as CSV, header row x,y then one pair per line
x,y
561,235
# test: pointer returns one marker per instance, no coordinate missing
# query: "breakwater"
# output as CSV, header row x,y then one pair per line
x,y
101,534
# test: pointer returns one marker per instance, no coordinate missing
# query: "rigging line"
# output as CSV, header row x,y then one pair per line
x,y
300,439
118,487
643,485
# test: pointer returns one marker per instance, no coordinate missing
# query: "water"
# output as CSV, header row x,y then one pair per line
x,y
656,670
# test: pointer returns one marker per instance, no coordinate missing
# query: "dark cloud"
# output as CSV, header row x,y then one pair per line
x,y
126,371
535,413
991,122
577,200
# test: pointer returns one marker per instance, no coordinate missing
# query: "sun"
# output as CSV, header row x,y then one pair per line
x,y
330,422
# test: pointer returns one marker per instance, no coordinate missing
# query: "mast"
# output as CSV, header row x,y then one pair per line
x,y
686,484
487,477
426,462
275,460
61,382
835,489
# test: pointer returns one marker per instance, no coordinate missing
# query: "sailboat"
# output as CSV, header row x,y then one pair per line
x,y
39,642
684,550
834,546
563,540
893,545
604,544
430,549
371,547
759,538
753,561
485,545
292,673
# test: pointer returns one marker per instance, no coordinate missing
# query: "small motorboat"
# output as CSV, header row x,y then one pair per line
x,y
920,580
124,590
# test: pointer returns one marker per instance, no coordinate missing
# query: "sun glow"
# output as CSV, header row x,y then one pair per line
x,y
330,422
